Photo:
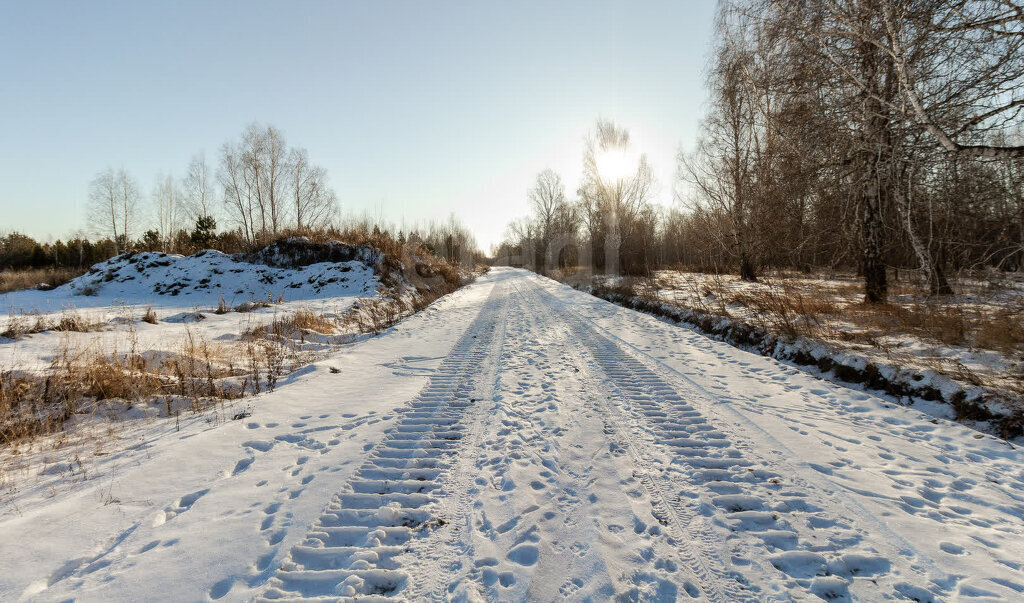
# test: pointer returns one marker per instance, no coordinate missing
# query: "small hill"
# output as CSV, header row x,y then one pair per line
x,y
293,269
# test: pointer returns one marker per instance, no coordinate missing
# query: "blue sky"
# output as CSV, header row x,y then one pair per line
x,y
416,109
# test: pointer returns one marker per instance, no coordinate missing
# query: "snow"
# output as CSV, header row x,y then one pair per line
x,y
184,292
979,387
522,440
171,280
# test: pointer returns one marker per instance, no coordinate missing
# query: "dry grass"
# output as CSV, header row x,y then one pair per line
x,y
1002,331
293,326
21,324
83,379
88,396
72,321
16,280
376,315
33,404
912,331
23,411
367,316
222,306
311,321
379,314
973,339
243,307
949,324
796,306
788,311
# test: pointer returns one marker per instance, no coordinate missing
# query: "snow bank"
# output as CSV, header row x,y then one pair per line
x,y
986,408
292,271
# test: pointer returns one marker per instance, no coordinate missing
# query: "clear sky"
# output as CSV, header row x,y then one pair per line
x,y
417,109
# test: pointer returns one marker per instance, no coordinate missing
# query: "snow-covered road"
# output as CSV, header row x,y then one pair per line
x,y
521,440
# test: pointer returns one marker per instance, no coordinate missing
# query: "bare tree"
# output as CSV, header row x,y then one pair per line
x,y
721,170
867,134
314,203
252,151
952,70
521,247
614,192
275,154
261,156
236,190
197,189
547,197
167,200
263,182
832,46
113,200
960,65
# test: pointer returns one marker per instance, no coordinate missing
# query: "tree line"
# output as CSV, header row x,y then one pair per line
x,y
448,239
259,188
870,135
19,252
610,227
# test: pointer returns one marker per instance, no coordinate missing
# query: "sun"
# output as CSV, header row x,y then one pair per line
x,y
616,163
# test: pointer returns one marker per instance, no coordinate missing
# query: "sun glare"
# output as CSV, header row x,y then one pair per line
x,y
616,163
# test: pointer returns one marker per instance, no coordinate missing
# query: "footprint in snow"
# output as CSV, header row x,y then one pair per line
x,y
524,554
182,505
242,465
951,549
221,588
148,547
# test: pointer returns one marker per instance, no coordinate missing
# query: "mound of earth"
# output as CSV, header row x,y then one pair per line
x,y
294,269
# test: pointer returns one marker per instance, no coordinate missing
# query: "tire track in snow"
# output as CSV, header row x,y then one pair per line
x,y
529,519
740,495
708,577
743,524
356,547
439,557
596,493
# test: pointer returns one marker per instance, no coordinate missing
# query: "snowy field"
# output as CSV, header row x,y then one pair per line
x,y
182,295
522,440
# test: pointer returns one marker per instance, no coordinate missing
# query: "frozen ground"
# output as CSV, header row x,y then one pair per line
x,y
521,440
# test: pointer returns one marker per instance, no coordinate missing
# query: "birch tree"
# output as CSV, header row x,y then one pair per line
x,y
614,193
547,198
197,186
313,202
113,202
167,201
237,194
721,169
